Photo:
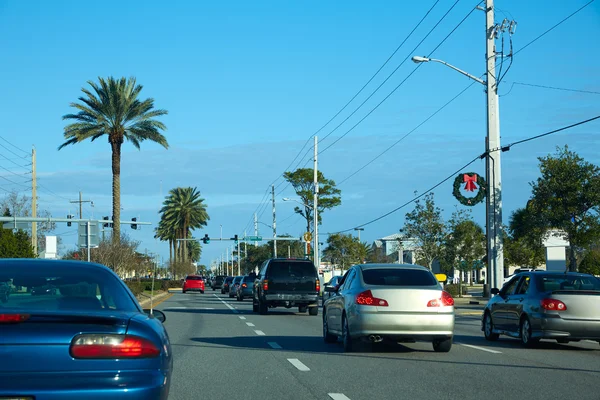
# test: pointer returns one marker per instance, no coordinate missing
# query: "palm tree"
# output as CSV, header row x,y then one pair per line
x,y
164,233
182,211
194,250
113,109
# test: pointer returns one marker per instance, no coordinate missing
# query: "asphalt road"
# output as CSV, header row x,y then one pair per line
x,y
224,351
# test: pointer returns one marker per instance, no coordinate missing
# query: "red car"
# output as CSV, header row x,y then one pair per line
x,y
193,283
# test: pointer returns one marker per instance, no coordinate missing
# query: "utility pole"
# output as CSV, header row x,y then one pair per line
x,y
80,201
34,202
239,258
255,228
315,210
274,223
358,230
495,251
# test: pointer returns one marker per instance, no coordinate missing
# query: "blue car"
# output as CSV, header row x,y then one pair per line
x,y
85,338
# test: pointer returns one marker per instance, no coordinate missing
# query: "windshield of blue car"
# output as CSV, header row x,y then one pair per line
x,y
554,282
398,277
62,288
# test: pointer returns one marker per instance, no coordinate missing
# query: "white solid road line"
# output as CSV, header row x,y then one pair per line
x,y
296,363
250,324
480,348
274,345
242,317
227,304
260,333
338,396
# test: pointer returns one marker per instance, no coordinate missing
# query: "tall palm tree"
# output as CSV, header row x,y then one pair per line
x,y
184,210
113,109
164,233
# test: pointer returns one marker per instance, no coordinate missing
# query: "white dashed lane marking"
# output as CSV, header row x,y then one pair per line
x,y
338,396
260,333
250,324
242,317
228,306
481,348
298,364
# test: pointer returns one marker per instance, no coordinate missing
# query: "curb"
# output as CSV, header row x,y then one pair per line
x,y
156,300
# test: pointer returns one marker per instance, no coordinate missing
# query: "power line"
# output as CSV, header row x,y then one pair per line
x,y
52,193
554,88
18,148
504,148
402,82
553,27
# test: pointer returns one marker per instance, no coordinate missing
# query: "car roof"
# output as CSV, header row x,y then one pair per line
x,y
391,266
80,265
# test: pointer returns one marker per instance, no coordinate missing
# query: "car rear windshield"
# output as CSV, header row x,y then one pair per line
x,y
194,278
550,283
61,287
297,269
229,279
398,277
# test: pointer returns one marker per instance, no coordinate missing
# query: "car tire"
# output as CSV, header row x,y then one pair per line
x,y
263,309
525,333
214,290
313,311
327,337
202,292
302,309
184,291
347,341
254,306
488,328
442,346
239,298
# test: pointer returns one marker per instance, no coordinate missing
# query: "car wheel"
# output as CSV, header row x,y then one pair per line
x,y
346,338
262,307
327,337
239,298
302,309
184,292
214,290
442,346
313,311
488,328
525,333
254,306
202,292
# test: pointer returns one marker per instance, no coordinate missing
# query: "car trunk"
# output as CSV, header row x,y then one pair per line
x,y
581,304
42,342
408,300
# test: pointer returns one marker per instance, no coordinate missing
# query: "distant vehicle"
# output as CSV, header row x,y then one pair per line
x,y
334,282
284,282
545,305
217,282
518,271
193,283
245,289
235,284
91,340
43,290
397,302
226,285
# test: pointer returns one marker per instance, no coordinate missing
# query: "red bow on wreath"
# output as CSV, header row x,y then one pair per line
x,y
470,181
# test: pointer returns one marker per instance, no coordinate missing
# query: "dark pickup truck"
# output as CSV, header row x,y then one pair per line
x,y
284,282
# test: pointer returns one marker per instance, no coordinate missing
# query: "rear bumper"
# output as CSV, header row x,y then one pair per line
x,y
298,298
399,326
245,292
193,289
555,327
138,385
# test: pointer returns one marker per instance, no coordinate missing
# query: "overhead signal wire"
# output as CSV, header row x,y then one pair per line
x,y
503,148
402,82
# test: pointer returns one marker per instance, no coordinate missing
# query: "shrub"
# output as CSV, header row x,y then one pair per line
x,y
453,289
136,288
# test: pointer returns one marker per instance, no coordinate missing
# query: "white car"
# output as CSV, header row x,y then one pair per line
x,y
518,270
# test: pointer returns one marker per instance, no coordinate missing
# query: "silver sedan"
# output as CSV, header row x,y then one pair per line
x,y
545,305
398,302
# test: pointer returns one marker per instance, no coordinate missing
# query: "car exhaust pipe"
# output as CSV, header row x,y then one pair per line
x,y
375,338
288,304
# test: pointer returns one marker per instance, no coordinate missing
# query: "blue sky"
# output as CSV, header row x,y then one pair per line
x,y
247,83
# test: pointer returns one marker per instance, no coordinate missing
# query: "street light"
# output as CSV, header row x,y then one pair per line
x,y
359,230
495,252
299,202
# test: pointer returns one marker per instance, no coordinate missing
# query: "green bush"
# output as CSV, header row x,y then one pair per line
x,y
166,285
136,288
453,289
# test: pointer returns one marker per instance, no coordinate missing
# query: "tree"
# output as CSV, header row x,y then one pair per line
x,y
344,250
113,109
121,256
426,226
15,244
591,262
194,250
15,205
254,257
302,180
464,245
567,197
523,240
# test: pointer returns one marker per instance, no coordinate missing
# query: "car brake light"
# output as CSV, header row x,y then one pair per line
x,y
553,305
366,299
244,285
13,318
318,285
112,346
265,285
445,301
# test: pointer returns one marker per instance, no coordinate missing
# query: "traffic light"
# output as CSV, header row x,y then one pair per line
x,y
206,239
134,226
105,218
69,217
235,237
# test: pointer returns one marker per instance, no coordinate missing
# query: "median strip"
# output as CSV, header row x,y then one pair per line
x,y
298,364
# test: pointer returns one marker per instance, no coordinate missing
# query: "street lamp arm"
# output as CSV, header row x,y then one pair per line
x,y
459,70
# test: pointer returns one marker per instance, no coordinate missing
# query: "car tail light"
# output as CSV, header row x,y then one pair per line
x,y
13,318
553,305
244,285
318,285
366,299
265,285
112,346
227,284
445,300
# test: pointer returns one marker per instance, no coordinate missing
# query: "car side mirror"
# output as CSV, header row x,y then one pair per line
x,y
159,315
331,289
495,291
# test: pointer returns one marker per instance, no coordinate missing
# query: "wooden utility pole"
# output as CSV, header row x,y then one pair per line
x,y
80,201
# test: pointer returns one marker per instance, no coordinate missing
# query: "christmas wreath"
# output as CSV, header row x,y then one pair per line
x,y
472,183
